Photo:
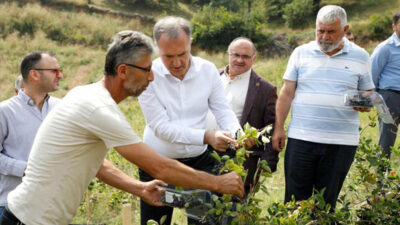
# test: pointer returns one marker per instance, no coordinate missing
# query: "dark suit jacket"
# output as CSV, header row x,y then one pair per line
x,y
259,111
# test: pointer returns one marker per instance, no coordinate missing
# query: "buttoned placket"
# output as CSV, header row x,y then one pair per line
x,y
35,110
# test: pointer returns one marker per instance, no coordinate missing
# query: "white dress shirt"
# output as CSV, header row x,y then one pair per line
x,y
176,110
235,92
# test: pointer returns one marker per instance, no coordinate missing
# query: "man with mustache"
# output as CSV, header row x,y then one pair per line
x,y
323,133
22,115
176,103
252,99
70,146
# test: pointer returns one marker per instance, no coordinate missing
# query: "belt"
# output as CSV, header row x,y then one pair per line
x,y
395,91
192,159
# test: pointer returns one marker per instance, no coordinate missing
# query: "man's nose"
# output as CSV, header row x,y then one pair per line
x,y
176,62
325,36
151,76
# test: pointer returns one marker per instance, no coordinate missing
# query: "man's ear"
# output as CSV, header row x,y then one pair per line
x,y
33,75
122,71
254,58
346,28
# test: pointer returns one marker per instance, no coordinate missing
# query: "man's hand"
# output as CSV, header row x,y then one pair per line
x,y
278,139
219,139
362,109
151,194
249,143
230,183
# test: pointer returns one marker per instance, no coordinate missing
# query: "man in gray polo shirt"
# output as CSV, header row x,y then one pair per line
x,y
21,116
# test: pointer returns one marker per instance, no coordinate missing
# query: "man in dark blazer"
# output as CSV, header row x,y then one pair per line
x,y
252,99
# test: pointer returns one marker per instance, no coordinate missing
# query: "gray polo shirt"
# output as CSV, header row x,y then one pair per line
x,y
19,121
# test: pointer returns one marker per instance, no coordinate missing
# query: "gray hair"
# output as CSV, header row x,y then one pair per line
x,y
171,26
127,46
18,82
330,13
242,39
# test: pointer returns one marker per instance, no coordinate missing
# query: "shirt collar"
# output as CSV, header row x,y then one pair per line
x,y
237,77
189,73
395,40
28,100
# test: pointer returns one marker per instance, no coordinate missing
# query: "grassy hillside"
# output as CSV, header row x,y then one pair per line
x,y
79,40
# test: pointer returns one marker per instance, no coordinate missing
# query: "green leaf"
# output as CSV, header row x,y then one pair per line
x,y
151,222
216,156
265,140
163,218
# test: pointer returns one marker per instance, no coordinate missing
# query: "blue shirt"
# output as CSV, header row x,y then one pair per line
x,y
19,121
318,111
386,64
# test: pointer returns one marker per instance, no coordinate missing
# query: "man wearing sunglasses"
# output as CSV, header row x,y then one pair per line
x,y
21,116
71,145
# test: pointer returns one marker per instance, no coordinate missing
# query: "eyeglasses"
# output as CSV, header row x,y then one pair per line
x,y
56,71
147,69
244,57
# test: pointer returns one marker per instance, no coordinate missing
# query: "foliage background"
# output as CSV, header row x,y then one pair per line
x,y
78,31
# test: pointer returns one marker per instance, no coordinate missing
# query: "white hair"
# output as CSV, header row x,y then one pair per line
x,y
18,82
330,13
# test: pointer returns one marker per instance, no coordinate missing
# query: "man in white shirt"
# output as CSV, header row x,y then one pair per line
x,y
175,106
252,99
71,144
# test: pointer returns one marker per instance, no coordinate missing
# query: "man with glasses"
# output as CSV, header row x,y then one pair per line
x,y
252,99
71,145
21,116
176,103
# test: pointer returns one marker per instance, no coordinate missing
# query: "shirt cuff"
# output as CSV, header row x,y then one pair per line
x,y
196,136
19,168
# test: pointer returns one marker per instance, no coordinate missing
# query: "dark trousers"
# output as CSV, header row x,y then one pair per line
x,y
8,218
388,132
310,166
204,162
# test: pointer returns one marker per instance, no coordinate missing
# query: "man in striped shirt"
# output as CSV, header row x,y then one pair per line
x,y
323,133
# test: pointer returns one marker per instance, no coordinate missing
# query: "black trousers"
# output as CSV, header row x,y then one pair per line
x,y
310,166
388,132
204,162
8,218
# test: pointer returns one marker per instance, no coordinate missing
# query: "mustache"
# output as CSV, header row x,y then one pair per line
x,y
325,42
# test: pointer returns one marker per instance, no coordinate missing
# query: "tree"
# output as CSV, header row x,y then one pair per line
x,y
298,13
274,9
